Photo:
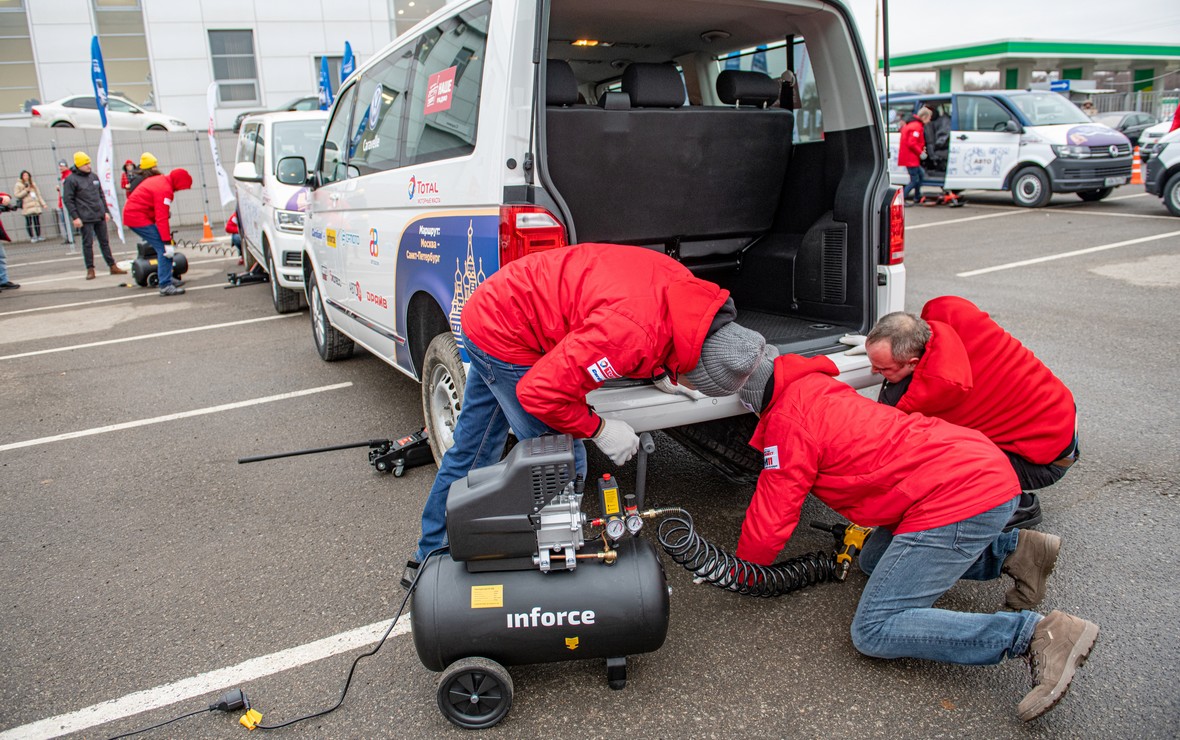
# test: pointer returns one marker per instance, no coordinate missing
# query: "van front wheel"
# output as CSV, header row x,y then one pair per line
x,y
331,344
1030,188
443,384
1094,195
1172,194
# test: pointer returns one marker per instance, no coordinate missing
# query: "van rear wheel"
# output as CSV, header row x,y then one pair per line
x,y
724,444
1094,195
331,344
1030,188
443,384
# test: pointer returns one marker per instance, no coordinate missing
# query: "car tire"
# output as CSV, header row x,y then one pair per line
x,y
157,127
1172,194
284,299
724,444
1090,196
1030,188
443,382
62,124
332,344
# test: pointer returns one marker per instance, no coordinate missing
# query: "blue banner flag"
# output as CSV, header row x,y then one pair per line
x,y
325,85
98,75
348,64
759,62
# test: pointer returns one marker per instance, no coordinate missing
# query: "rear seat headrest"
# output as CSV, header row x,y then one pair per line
x,y
738,87
561,87
615,101
654,85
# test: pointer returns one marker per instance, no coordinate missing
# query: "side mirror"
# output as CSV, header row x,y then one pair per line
x,y
292,171
245,172
1012,127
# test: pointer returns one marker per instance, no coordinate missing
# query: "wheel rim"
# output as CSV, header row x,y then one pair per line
x,y
274,279
317,316
474,697
444,405
1174,195
1029,188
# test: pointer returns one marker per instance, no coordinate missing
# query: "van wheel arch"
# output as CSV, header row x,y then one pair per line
x,y
438,364
1031,186
424,321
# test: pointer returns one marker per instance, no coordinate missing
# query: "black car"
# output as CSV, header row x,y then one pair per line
x,y
307,102
1131,123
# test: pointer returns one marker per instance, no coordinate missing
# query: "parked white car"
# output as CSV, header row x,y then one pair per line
x,y
81,111
270,214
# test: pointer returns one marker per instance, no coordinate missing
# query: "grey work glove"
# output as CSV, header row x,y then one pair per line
x,y
665,384
617,440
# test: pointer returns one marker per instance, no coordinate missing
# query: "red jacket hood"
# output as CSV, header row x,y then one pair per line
x,y
790,368
180,179
942,378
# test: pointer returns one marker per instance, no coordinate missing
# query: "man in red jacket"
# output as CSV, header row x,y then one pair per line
x,y
548,328
912,150
938,494
147,212
956,363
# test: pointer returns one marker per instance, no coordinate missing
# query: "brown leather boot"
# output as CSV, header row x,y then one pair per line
x,y
89,273
1030,565
116,270
1060,645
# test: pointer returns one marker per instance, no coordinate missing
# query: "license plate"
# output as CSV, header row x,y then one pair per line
x,y
1115,181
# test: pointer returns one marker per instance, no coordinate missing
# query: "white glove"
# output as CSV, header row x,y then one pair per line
x,y
169,250
665,384
617,440
856,341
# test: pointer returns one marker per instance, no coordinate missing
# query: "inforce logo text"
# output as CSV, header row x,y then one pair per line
x,y
537,618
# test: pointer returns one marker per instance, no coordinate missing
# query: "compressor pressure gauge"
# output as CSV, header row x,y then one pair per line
x,y
615,529
634,524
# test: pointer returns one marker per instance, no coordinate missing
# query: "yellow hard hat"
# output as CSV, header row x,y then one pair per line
x,y
147,160
81,159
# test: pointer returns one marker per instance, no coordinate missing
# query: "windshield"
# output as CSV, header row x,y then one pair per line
x,y
1111,119
1046,109
297,139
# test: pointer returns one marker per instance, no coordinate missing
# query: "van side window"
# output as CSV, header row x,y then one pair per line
x,y
246,143
375,144
981,114
333,158
771,59
444,102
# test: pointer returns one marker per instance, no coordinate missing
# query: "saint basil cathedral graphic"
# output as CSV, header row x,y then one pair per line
x,y
467,279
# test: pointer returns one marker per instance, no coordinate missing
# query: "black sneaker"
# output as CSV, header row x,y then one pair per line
x,y
178,282
9,285
171,289
1027,514
409,574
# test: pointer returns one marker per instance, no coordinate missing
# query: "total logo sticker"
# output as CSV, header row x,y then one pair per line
x,y
602,371
770,457
425,190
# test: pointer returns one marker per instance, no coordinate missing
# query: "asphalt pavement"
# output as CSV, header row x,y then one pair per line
x,y
145,571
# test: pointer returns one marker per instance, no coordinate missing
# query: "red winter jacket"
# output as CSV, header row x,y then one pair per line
x,y
584,314
231,226
913,141
868,461
979,376
151,202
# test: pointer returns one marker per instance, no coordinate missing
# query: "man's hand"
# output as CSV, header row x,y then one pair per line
x,y
78,223
617,440
106,217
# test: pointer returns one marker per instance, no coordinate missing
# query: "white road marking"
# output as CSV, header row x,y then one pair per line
x,y
66,259
1092,212
205,683
171,417
144,293
83,276
1063,255
963,220
1125,197
156,335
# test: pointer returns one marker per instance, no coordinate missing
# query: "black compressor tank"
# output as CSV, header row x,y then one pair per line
x,y
517,617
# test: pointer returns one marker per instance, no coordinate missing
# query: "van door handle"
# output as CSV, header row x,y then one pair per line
x,y
961,137
334,197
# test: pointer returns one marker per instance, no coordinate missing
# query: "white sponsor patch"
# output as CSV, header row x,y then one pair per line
x,y
167,201
770,457
602,371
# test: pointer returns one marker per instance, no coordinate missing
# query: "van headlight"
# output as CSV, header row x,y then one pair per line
x,y
289,221
1071,152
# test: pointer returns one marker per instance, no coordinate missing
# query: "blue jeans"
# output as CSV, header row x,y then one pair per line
x,y
490,407
909,572
3,265
917,175
151,235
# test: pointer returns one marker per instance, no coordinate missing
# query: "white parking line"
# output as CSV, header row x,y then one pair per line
x,y
968,218
1125,197
129,296
171,417
205,683
156,335
65,259
1063,255
83,277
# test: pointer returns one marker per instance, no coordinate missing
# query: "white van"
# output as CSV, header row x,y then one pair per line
x,y
270,213
1163,171
1032,143
492,130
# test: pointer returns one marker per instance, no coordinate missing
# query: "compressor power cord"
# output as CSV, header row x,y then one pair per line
x,y
715,566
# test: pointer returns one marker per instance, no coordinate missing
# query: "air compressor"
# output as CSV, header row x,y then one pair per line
x,y
143,268
521,585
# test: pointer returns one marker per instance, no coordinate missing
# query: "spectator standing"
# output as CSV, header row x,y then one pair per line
x,y
63,171
32,204
125,179
83,198
911,152
1089,109
5,283
147,168
147,213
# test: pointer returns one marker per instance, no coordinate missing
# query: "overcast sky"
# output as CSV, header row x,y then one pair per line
x,y
917,25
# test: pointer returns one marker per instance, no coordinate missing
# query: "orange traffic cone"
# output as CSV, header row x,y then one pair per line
x,y
208,237
1136,168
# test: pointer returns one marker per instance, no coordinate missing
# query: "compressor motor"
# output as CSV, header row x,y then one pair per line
x,y
521,584
143,268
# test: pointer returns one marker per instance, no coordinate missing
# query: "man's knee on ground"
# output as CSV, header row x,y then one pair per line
x,y
866,638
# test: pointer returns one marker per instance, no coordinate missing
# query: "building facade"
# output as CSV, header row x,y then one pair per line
x,y
163,54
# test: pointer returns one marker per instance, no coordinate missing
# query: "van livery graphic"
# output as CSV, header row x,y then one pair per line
x,y
466,281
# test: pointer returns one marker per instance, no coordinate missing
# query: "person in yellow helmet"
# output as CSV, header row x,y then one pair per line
x,y
81,193
147,168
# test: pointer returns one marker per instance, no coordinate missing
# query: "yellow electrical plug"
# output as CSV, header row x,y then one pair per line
x,y
251,719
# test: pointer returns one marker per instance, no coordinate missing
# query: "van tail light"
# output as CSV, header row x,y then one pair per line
x,y
896,228
528,229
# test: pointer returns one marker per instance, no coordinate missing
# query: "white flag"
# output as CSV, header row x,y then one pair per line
x,y
106,175
223,186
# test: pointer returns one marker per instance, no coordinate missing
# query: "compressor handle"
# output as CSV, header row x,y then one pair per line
x,y
313,451
646,445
